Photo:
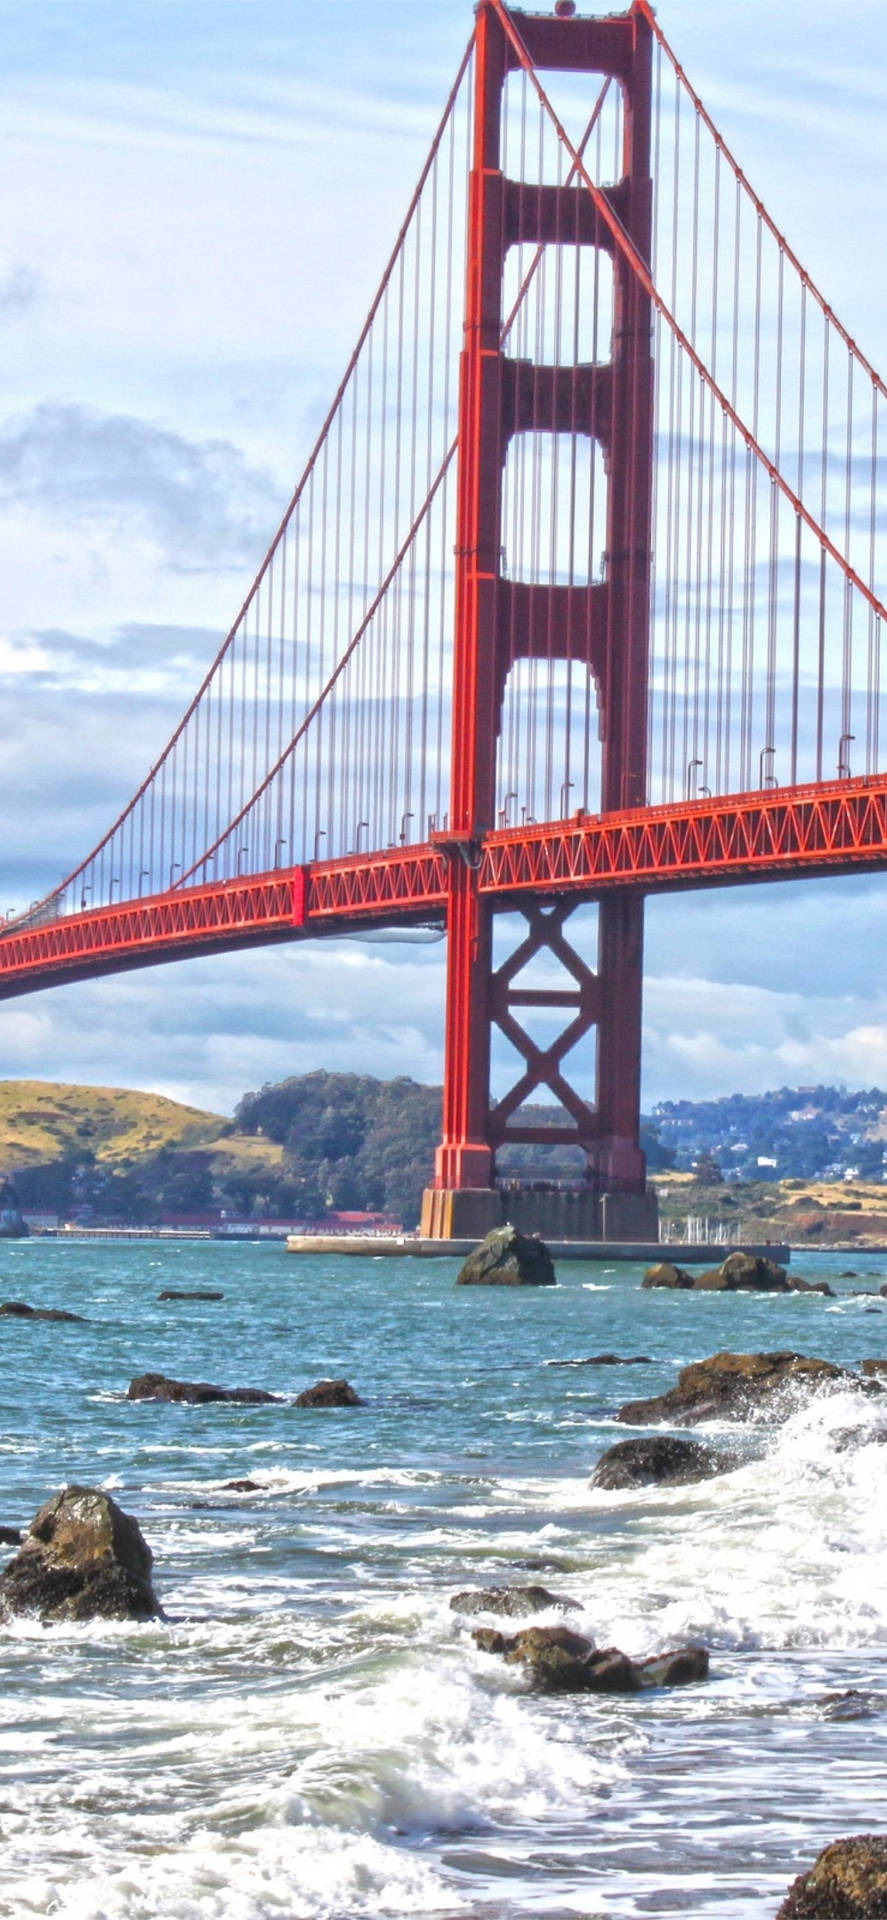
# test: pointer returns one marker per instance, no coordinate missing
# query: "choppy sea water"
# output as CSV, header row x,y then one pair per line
x,y
312,1731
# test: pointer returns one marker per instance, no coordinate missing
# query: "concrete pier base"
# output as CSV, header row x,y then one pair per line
x,y
553,1213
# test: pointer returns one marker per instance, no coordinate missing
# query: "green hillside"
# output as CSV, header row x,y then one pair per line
x,y
42,1122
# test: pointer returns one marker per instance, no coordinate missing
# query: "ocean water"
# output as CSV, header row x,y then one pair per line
x,y
312,1731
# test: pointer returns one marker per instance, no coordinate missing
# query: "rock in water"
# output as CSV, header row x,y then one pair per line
x,y
83,1558
511,1601
661,1460
847,1882
19,1310
191,1293
508,1258
666,1274
736,1386
196,1393
329,1393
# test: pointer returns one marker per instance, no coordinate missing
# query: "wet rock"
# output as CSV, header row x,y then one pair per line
x,y
736,1386
508,1258
665,1274
851,1704
679,1668
511,1601
328,1393
83,1558
606,1360
738,1273
557,1658
754,1271
241,1486
847,1882
660,1460
193,1293
561,1661
19,1310
198,1393
10,1536
874,1369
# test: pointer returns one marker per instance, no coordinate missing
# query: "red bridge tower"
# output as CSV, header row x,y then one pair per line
x,y
500,621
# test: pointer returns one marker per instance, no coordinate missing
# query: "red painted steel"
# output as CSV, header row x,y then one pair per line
x,y
499,622
789,833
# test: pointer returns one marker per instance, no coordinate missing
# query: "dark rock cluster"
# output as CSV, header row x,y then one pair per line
x,y
739,1273
559,1660
737,1386
199,1393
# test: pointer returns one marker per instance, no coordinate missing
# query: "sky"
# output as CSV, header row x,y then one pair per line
x,y
200,198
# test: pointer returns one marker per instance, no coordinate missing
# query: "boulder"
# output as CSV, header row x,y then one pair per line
x,y
797,1285
198,1393
508,1258
736,1386
191,1293
10,1536
19,1310
328,1393
848,1881
755,1272
511,1601
83,1558
664,1274
874,1369
659,1460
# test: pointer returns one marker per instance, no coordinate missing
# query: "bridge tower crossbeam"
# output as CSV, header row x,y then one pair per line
x,y
499,621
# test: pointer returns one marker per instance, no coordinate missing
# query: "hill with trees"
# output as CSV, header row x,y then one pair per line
x,y
326,1142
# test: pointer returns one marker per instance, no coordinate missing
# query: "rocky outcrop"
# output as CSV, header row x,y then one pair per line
x,y
192,1293
198,1393
510,1601
739,1273
508,1258
561,1661
329,1393
662,1460
847,1882
19,1310
736,1386
83,1558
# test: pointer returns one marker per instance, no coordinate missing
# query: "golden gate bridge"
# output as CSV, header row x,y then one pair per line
x,y
578,599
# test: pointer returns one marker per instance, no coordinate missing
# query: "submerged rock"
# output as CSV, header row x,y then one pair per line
x,y
606,1360
508,1258
736,1386
661,1460
83,1558
511,1601
191,1293
847,1882
19,1310
156,1386
329,1393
